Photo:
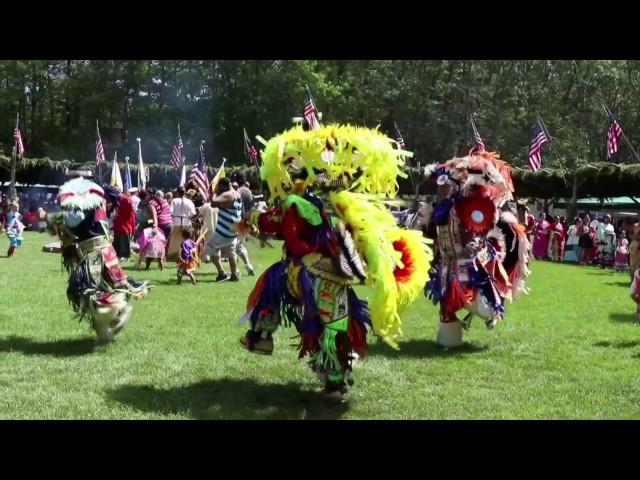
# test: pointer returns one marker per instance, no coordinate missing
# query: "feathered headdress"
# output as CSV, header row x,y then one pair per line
x,y
346,157
479,169
80,194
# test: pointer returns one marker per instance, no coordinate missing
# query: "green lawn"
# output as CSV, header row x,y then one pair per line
x,y
569,350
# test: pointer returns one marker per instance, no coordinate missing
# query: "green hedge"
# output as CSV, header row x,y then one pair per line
x,y
601,180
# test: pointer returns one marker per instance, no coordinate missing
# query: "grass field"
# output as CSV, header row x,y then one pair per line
x,y
569,350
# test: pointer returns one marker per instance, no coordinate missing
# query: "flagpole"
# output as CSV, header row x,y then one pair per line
x,y
248,153
246,145
13,195
183,174
398,135
609,114
476,133
127,184
201,154
555,150
99,163
182,143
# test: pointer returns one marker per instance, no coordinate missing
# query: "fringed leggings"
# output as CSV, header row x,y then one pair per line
x,y
330,318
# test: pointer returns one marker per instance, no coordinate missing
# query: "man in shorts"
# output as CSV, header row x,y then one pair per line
x,y
247,206
225,237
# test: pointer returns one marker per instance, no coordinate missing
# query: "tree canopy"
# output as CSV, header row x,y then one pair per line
x,y
60,100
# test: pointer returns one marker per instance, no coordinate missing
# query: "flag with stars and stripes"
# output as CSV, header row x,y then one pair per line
x,y
539,139
17,136
99,148
311,112
199,174
614,134
176,153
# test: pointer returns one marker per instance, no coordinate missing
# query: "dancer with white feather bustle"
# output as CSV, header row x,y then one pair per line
x,y
98,289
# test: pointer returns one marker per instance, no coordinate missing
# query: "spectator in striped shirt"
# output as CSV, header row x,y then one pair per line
x,y
225,237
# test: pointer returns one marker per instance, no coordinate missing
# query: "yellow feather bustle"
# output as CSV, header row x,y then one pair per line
x,y
394,284
338,150
374,161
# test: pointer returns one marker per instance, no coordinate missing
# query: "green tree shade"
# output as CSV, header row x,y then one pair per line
x,y
60,100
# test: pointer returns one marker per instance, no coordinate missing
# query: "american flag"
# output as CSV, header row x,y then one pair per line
x,y
311,112
539,139
99,148
17,136
250,149
176,153
613,136
199,174
476,136
399,138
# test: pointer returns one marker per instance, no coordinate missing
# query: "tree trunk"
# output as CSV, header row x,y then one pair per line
x,y
67,103
32,113
572,206
163,79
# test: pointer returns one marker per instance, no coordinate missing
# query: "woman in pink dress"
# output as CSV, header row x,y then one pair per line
x,y
152,242
556,243
621,261
541,240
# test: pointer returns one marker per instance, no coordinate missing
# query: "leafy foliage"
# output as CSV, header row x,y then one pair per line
x,y
60,100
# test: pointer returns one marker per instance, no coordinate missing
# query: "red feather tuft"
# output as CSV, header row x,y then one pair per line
x,y
308,344
252,301
358,337
403,274
269,222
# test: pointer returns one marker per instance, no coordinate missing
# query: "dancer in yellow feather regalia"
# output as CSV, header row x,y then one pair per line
x,y
330,185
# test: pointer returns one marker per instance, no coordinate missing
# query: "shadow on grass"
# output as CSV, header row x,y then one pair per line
x,y
568,264
620,283
72,347
231,399
424,349
623,317
599,271
185,280
623,344
167,281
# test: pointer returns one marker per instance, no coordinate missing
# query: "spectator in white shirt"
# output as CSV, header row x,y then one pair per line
x,y
182,211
